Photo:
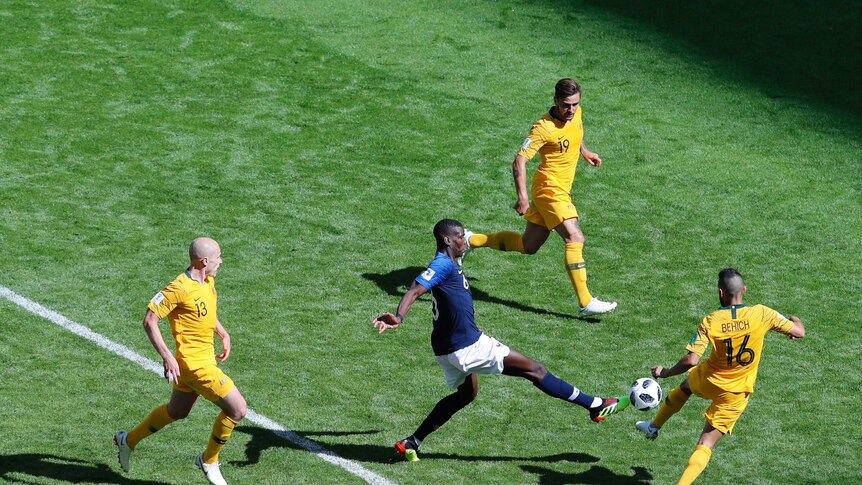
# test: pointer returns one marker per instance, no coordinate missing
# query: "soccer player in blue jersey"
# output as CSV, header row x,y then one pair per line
x,y
463,351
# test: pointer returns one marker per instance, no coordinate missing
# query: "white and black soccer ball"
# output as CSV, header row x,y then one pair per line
x,y
645,394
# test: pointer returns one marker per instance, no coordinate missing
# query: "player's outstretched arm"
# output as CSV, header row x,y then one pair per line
x,y
225,341
798,329
688,361
386,320
151,326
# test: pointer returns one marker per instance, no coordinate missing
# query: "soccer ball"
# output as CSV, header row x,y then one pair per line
x,y
645,394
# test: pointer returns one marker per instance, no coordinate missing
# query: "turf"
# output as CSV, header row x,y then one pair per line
x,y
320,141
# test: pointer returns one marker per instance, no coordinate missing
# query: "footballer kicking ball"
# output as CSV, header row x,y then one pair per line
x,y
645,394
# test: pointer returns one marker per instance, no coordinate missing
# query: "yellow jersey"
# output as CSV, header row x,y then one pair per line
x,y
191,309
559,144
736,333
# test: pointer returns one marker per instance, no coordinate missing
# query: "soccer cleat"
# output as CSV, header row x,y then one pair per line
x,y
211,470
408,448
467,235
596,307
123,450
611,405
647,428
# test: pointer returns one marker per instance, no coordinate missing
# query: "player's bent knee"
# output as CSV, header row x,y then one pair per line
x,y
467,398
178,414
575,238
233,405
538,370
240,412
685,387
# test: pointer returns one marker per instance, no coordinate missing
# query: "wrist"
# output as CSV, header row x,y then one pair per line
x,y
399,317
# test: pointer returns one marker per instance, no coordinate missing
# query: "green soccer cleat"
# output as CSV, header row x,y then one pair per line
x,y
611,405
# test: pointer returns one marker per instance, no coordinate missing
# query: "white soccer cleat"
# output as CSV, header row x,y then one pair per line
x,y
647,428
123,450
467,235
596,307
211,470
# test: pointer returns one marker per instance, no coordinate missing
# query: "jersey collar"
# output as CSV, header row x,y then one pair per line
x,y
189,274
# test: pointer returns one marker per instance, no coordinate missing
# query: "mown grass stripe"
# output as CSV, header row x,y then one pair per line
x,y
127,353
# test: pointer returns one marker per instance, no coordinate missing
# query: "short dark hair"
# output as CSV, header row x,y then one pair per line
x,y
566,87
445,227
730,280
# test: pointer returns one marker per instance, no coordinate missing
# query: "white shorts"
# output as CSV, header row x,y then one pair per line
x,y
483,357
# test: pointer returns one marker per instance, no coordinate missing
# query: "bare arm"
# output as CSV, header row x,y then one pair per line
x,y
225,341
387,320
688,361
519,172
591,157
151,326
798,329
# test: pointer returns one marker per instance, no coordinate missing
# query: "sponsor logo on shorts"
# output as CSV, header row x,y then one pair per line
x,y
222,381
428,274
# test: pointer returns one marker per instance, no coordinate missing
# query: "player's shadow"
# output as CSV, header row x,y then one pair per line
x,y
395,283
596,475
263,439
18,468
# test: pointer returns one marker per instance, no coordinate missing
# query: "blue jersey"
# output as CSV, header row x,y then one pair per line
x,y
452,306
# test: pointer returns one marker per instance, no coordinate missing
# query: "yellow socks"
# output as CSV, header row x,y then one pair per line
x,y
158,419
672,403
501,241
696,463
222,428
577,269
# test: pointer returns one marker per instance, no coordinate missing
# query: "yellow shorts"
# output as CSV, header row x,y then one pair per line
x,y
726,407
550,211
209,382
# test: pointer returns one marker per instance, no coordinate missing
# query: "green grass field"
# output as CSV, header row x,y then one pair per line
x,y
319,142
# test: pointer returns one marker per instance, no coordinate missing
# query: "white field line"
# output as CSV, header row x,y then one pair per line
x,y
127,353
